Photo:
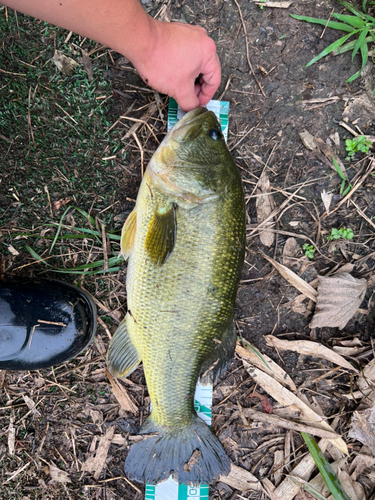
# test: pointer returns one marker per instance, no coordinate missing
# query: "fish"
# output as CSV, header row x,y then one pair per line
x,y
185,242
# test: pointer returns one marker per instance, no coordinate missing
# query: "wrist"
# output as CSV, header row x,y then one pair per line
x,y
139,45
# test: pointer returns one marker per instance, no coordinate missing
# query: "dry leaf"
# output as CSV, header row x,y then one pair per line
x,y
294,279
86,63
275,5
366,381
12,250
287,398
339,297
297,306
327,198
121,395
96,460
360,464
59,203
308,140
362,428
31,405
318,146
309,349
11,434
241,479
97,416
264,209
272,369
278,465
58,475
291,249
119,440
349,351
360,105
64,64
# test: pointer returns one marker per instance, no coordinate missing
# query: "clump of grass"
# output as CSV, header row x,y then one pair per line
x,y
360,25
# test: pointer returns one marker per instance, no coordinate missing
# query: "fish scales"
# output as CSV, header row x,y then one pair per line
x,y
181,300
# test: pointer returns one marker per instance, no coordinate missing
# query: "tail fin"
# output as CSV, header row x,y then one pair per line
x,y
192,454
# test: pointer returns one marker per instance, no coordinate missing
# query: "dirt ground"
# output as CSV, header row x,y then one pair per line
x,y
76,407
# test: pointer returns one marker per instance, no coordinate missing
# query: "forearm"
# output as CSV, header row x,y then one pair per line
x,y
168,56
122,25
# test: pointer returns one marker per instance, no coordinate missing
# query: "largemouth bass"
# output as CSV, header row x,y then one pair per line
x,y
185,240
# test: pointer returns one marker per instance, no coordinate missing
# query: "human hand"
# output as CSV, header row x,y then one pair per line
x,y
179,54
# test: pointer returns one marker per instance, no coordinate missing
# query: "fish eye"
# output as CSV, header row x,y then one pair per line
x,y
215,134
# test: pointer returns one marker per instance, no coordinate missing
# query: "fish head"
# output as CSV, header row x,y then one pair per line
x,y
193,161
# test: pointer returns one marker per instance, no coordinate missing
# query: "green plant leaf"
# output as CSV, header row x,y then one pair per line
x,y
325,468
307,487
338,169
364,54
254,350
330,48
354,21
58,229
323,22
36,256
350,46
360,43
352,9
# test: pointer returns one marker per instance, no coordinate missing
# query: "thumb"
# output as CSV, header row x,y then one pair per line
x,y
187,100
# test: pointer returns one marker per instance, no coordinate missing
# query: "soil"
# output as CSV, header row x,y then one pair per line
x,y
266,118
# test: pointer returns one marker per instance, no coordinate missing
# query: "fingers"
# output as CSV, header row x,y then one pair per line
x,y
189,100
209,81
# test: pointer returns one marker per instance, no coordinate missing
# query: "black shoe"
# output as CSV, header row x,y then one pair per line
x,y
43,323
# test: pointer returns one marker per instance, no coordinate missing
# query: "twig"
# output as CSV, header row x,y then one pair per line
x,y
247,49
141,150
67,114
325,27
362,214
230,78
288,424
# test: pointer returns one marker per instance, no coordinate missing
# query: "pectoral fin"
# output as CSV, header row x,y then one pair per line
x,y
122,357
161,234
128,234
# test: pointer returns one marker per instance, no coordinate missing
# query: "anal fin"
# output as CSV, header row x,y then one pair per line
x,y
221,358
122,356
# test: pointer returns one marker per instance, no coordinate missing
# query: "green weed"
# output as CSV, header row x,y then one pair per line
x,y
360,25
309,250
342,233
359,143
344,190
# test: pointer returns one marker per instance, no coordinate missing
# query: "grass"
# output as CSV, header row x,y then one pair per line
x,y
53,138
356,24
53,127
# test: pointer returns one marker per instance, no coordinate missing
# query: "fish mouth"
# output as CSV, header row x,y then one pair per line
x,y
190,125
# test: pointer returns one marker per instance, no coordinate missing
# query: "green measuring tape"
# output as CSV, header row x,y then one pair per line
x,y
170,489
